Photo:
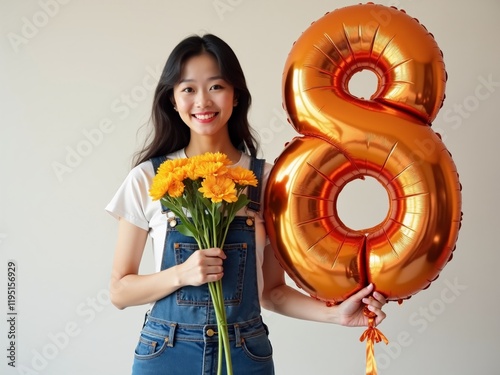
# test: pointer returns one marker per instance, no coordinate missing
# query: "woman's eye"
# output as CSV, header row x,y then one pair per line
x,y
187,89
216,87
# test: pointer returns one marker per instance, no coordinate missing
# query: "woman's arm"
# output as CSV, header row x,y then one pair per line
x,y
281,298
128,288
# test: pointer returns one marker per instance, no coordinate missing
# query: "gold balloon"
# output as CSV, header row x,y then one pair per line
x,y
387,137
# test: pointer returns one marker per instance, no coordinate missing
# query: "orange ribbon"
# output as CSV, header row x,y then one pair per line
x,y
371,335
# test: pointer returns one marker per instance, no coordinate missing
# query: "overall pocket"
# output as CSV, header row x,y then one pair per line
x,y
258,348
232,282
150,345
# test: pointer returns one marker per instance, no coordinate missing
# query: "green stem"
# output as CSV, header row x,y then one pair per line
x,y
207,232
214,228
220,309
215,300
224,333
225,227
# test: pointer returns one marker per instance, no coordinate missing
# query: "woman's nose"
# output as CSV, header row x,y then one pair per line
x,y
203,99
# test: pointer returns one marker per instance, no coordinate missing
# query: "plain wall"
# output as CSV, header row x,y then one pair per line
x,y
78,77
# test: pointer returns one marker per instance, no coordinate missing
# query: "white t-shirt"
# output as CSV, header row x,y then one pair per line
x,y
133,204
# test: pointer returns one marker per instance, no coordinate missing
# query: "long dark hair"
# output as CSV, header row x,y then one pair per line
x,y
169,132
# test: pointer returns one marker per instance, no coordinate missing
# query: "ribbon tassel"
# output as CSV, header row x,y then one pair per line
x,y
372,335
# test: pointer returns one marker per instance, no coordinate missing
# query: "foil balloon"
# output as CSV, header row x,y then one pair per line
x,y
342,138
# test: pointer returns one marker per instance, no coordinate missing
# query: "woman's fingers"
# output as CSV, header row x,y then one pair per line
x,y
214,252
363,293
376,300
204,266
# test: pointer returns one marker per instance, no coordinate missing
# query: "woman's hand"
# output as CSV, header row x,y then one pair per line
x,y
201,267
351,313
128,288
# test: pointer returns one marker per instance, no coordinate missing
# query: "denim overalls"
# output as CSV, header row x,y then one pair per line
x,y
180,332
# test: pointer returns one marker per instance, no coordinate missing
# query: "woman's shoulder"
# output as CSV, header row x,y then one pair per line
x,y
142,171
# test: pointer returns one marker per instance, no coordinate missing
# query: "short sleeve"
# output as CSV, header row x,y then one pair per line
x,y
132,201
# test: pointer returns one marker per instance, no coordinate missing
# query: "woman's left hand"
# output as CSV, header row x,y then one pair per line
x,y
351,310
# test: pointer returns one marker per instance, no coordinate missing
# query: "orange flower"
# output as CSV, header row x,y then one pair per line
x,y
166,184
207,164
170,165
176,189
159,187
218,189
215,157
242,176
175,166
210,168
190,170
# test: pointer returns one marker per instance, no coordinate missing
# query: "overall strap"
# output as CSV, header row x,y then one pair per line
x,y
253,192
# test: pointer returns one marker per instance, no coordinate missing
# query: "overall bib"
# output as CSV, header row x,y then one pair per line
x,y
180,332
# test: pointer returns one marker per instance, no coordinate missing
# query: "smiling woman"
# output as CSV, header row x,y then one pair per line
x,y
196,110
201,106
223,67
203,98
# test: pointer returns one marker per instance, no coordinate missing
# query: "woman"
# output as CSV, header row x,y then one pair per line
x,y
201,105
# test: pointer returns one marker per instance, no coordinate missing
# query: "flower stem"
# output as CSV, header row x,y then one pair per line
x,y
225,227
217,295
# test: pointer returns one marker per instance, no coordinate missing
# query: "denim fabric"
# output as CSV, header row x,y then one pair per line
x,y
173,348
180,333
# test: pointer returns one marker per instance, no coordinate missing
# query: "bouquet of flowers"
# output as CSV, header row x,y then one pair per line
x,y
205,192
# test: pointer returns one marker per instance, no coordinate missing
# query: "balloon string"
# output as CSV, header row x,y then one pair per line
x,y
371,335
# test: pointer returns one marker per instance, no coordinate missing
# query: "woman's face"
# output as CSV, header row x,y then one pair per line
x,y
203,99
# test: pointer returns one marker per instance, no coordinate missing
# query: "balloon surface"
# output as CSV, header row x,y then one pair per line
x,y
342,138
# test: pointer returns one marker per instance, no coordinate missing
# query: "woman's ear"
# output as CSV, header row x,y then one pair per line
x,y
173,103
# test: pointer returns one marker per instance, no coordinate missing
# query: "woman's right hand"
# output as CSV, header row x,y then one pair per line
x,y
201,267
128,288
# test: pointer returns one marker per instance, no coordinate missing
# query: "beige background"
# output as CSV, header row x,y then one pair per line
x,y
76,81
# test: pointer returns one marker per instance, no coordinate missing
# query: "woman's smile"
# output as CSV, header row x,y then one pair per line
x,y
205,116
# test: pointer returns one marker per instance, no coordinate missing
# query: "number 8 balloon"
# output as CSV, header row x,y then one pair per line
x,y
343,138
